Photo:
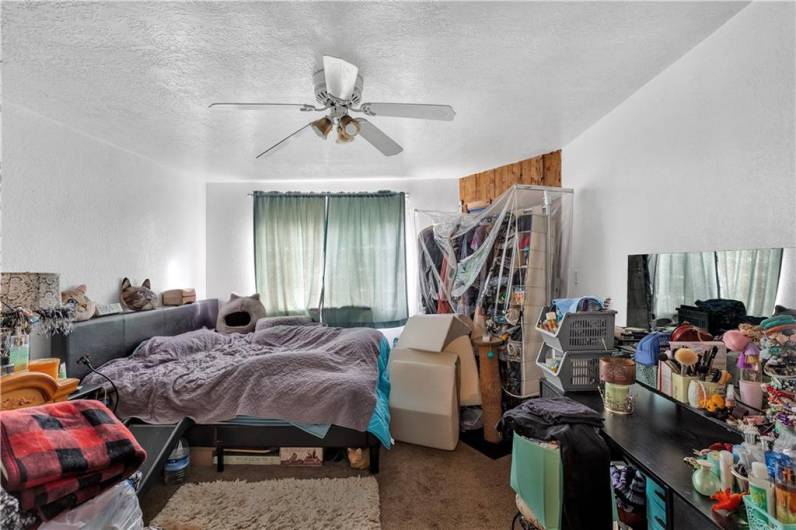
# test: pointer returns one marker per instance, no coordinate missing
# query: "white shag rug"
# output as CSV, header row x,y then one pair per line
x,y
325,503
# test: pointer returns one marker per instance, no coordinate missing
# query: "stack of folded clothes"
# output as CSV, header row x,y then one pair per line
x,y
59,455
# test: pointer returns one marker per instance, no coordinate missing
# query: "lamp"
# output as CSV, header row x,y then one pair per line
x,y
322,127
347,129
30,290
27,298
350,126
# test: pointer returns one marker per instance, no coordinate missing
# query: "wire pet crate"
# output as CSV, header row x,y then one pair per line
x,y
581,331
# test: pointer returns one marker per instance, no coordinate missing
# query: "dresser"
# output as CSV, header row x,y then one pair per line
x,y
655,439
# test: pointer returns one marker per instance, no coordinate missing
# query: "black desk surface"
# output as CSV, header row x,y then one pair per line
x,y
656,438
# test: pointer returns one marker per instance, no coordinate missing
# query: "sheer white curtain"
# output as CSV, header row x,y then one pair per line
x,y
750,276
288,251
682,279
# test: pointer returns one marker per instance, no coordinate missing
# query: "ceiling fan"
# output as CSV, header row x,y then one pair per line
x,y
338,88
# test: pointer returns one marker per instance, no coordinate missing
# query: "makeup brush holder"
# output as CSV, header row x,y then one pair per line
x,y
680,384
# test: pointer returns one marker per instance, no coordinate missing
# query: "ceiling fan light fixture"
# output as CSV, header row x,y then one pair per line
x,y
342,136
349,125
322,127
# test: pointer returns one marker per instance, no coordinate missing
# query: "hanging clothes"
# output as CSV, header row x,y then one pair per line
x,y
442,302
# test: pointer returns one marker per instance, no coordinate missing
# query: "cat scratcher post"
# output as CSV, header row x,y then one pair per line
x,y
489,383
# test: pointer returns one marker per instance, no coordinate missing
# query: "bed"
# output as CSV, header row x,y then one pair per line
x,y
111,341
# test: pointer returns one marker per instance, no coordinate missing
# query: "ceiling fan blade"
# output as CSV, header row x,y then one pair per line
x,y
378,139
409,110
261,106
284,141
341,77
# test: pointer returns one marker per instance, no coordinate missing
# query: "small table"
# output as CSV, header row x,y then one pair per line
x,y
489,384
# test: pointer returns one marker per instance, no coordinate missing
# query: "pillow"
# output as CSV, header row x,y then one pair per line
x,y
239,314
269,322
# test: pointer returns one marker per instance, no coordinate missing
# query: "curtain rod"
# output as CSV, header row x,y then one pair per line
x,y
380,193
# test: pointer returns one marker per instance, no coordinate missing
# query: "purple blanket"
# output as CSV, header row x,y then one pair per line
x,y
308,374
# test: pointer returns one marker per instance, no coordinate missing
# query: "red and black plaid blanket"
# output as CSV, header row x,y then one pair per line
x,y
57,456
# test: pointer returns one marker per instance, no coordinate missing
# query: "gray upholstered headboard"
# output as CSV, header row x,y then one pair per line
x,y
116,336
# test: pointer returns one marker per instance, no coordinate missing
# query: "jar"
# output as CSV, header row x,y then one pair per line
x,y
704,481
18,350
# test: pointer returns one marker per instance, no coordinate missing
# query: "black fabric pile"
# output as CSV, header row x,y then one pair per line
x,y
585,457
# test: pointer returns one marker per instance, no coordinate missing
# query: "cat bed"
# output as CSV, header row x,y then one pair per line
x,y
240,314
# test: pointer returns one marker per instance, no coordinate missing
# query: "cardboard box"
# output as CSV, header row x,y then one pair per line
x,y
424,404
202,456
665,378
251,457
433,332
179,296
301,456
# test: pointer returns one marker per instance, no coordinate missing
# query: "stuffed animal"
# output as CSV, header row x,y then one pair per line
x,y
84,307
138,298
359,458
240,314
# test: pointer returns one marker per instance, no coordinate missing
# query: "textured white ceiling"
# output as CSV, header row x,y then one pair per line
x,y
524,78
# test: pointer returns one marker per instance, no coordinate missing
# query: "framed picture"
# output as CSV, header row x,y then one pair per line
x,y
301,456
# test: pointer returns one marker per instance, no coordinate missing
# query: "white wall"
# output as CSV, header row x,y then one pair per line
x,y
230,232
94,213
700,158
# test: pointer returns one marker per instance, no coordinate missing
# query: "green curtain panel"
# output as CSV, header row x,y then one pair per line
x,y
365,275
288,251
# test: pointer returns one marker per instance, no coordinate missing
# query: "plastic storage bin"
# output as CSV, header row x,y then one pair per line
x,y
581,331
571,371
760,520
694,315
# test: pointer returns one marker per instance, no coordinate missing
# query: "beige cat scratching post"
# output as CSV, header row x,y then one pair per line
x,y
489,383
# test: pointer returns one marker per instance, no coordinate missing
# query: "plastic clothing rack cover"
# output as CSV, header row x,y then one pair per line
x,y
447,276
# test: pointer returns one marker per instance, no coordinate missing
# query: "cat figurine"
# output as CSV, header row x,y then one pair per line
x,y
83,306
138,298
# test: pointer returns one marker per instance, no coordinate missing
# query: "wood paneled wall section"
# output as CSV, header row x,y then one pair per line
x,y
544,170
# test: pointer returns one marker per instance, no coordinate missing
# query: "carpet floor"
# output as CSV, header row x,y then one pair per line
x,y
419,488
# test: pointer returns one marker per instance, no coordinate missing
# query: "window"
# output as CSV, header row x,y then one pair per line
x,y
751,276
342,254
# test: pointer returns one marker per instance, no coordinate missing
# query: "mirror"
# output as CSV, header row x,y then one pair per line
x,y
711,289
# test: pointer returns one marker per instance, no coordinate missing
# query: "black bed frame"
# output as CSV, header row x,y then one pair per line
x,y
111,337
